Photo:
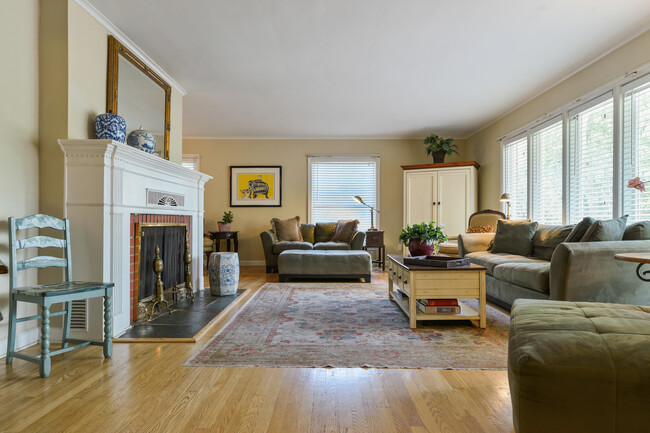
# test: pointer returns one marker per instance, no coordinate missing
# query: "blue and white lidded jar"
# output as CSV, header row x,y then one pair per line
x,y
141,139
110,126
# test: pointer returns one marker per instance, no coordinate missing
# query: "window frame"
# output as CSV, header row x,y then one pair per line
x,y
341,157
614,89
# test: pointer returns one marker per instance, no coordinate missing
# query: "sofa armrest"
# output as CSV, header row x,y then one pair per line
x,y
473,242
357,241
587,271
268,239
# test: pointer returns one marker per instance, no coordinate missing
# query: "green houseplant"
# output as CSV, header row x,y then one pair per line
x,y
439,147
423,239
226,220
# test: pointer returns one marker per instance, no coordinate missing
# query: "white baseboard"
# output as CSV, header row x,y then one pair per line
x,y
252,263
23,340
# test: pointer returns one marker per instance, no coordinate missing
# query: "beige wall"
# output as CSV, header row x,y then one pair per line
x,y
18,135
484,147
218,155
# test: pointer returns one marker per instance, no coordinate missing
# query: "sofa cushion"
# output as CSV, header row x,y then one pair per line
x,y
278,247
514,237
307,231
547,238
531,275
490,260
331,246
344,231
606,230
580,229
637,232
323,232
287,230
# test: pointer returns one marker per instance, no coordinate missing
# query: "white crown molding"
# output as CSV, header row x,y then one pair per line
x,y
120,36
561,80
324,137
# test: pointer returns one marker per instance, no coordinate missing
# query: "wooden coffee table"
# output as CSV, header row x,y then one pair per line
x,y
424,282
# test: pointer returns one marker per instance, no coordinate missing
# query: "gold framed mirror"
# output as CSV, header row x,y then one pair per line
x,y
144,97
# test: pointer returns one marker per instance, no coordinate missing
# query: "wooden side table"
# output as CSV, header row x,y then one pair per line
x,y
640,258
375,239
228,236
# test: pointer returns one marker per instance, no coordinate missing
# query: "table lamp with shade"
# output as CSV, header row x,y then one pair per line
x,y
372,212
505,198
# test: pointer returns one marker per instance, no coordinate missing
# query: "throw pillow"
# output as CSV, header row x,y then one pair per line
x,y
480,229
323,232
344,231
580,229
606,230
287,230
514,237
307,231
547,238
637,232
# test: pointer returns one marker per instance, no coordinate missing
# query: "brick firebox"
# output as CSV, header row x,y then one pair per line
x,y
135,247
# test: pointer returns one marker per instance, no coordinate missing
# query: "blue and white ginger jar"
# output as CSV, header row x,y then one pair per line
x,y
141,139
110,126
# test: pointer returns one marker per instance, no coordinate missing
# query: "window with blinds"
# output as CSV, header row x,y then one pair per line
x,y
636,146
591,156
515,176
191,161
546,172
334,181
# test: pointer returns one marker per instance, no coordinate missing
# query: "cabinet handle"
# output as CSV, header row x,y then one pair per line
x,y
394,272
406,282
434,203
399,277
438,203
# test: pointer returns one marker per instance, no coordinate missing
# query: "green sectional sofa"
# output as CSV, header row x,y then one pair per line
x,y
315,237
559,270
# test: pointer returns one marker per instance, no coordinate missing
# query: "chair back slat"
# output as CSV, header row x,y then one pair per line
x,y
40,242
41,262
39,221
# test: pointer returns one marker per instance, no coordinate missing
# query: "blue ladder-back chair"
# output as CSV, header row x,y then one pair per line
x,y
45,295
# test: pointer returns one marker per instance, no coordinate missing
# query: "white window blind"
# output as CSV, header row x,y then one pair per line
x,y
591,154
334,183
515,176
191,161
636,147
546,161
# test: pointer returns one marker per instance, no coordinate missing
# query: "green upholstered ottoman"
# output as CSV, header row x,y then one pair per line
x,y
579,367
324,264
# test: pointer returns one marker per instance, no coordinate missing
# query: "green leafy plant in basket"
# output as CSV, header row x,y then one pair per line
x,y
226,220
423,239
439,147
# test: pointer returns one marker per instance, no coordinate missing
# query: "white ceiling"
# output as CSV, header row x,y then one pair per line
x,y
366,68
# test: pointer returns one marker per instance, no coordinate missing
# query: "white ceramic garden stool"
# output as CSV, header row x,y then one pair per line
x,y
223,272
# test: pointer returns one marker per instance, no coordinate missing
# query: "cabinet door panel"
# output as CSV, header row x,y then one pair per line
x,y
453,187
420,191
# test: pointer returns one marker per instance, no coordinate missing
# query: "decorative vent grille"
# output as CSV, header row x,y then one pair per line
x,y
78,315
161,198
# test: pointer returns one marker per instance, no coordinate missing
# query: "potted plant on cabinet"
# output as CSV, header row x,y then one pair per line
x,y
226,220
423,239
439,147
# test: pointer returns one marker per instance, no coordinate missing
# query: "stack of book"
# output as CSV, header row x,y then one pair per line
x,y
438,306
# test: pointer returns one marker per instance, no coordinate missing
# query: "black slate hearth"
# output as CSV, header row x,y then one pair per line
x,y
186,320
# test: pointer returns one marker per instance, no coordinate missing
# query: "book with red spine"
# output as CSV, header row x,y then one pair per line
x,y
445,309
438,302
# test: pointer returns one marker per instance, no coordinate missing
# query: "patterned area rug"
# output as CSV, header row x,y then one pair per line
x,y
348,325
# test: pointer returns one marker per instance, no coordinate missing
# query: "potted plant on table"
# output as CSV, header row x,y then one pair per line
x,y
226,220
439,147
423,239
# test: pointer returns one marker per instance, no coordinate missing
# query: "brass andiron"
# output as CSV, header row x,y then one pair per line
x,y
160,297
187,258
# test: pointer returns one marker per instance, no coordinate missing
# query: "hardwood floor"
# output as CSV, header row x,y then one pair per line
x,y
144,388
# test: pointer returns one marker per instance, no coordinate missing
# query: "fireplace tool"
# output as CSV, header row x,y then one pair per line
x,y
187,259
160,297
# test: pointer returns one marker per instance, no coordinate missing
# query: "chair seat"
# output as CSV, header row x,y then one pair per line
x,y
64,288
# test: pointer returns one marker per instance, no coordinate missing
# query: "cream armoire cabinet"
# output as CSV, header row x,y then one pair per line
x,y
444,193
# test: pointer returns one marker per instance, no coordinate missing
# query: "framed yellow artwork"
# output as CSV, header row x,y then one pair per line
x,y
253,186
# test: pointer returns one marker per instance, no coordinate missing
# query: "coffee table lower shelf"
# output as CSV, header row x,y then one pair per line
x,y
466,312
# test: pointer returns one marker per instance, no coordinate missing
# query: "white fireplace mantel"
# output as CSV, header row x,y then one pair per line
x,y
106,182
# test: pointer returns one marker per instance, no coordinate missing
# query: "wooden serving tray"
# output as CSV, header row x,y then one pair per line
x,y
437,261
